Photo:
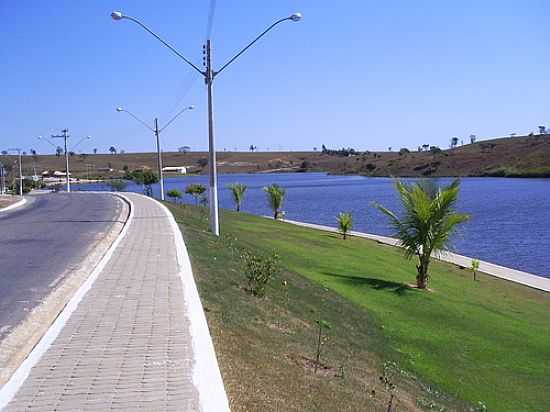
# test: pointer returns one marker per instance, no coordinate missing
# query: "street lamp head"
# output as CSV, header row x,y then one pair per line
x,y
117,15
191,107
296,16
88,137
119,109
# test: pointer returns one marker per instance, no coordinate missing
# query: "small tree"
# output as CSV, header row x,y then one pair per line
x,y
323,325
345,223
112,149
238,190
146,178
117,185
473,138
195,190
58,151
454,142
174,194
475,267
275,198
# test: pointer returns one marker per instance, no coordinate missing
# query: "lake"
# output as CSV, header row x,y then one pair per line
x,y
509,223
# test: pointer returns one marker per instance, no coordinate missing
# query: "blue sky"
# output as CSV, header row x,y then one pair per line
x,y
366,74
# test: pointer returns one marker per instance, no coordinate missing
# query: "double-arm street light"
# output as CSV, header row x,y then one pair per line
x,y
209,75
157,131
65,136
19,155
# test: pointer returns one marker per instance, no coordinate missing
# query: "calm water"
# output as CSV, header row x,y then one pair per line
x,y
509,224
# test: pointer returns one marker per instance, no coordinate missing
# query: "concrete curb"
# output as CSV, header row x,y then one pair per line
x,y
501,272
8,391
206,372
14,206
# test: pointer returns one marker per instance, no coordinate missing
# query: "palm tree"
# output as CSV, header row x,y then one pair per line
x,y
428,221
345,223
238,190
275,198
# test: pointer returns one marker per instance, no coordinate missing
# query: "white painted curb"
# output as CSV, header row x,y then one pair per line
x,y
8,391
14,206
206,372
501,272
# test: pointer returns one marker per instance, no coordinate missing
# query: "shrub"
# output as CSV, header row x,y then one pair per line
x,y
195,190
174,194
259,270
117,185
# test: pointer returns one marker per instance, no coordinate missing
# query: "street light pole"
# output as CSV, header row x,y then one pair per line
x,y
209,74
159,159
156,130
213,175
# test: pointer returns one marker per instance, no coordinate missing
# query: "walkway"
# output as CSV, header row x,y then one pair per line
x,y
133,338
512,275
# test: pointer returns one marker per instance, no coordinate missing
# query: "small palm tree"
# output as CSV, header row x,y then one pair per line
x,y
195,190
428,221
174,194
475,267
275,198
238,190
345,223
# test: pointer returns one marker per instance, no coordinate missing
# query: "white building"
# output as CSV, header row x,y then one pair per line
x,y
175,169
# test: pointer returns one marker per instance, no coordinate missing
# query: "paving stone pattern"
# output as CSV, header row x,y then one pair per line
x,y
127,346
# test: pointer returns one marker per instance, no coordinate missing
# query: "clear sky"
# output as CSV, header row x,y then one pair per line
x,y
366,74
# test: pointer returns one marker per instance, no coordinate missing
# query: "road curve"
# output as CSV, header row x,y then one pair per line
x,y
41,242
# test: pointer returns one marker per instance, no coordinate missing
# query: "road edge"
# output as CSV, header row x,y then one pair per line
x,y
14,206
207,377
10,388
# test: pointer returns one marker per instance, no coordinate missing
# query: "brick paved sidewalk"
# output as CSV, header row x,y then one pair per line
x,y
128,344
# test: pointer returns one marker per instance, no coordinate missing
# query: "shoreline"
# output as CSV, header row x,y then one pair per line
x,y
463,262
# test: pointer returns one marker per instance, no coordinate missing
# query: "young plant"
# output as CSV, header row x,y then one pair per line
x,y
323,325
390,368
174,194
345,223
238,190
475,267
275,198
195,190
259,270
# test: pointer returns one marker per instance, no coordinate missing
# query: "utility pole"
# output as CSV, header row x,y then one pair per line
x,y
159,159
65,136
213,175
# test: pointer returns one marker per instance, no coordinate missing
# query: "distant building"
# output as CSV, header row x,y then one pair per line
x,y
175,169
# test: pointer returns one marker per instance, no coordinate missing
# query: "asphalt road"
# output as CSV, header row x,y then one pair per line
x,y
41,241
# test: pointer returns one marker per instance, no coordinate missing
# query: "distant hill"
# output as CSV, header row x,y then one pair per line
x,y
524,156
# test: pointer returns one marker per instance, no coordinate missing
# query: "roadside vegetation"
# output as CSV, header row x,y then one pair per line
x,y
462,346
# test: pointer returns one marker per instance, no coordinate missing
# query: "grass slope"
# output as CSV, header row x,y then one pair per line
x,y
474,341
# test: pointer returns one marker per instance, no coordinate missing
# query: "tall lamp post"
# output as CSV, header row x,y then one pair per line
x,y
155,129
209,75
20,161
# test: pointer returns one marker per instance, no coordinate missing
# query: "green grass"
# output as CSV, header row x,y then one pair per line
x,y
474,341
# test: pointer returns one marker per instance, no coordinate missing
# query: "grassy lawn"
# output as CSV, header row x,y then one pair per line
x,y
462,342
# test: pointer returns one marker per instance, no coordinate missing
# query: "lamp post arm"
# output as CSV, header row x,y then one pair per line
x,y
168,45
250,45
47,141
79,142
173,118
138,119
